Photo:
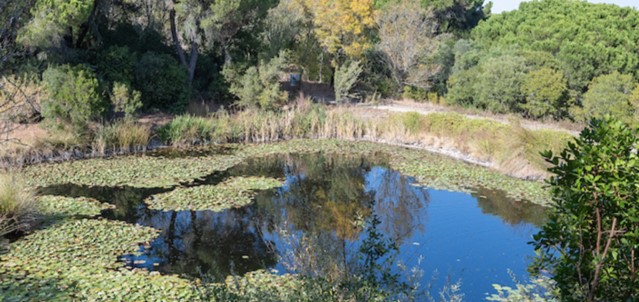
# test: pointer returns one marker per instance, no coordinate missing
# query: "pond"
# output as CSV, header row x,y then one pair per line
x,y
321,219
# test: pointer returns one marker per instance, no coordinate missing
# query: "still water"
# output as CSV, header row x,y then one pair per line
x,y
316,223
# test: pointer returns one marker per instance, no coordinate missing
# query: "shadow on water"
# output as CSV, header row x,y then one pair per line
x,y
318,222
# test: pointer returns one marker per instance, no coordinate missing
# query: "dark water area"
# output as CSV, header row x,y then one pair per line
x,y
317,222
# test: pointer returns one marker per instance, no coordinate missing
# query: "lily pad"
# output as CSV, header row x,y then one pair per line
x,y
232,193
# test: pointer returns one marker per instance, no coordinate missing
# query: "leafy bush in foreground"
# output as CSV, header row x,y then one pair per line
x,y
591,241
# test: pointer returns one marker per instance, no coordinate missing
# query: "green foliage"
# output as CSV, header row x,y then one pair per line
x,y
260,86
162,82
125,100
407,43
545,91
538,290
117,64
494,84
589,244
52,19
186,130
73,96
413,121
587,39
346,76
610,94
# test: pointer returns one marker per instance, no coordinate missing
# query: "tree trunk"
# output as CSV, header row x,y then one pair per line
x,y
192,61
89,25
176,38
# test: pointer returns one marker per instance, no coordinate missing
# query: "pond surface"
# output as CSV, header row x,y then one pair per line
x,y
317,222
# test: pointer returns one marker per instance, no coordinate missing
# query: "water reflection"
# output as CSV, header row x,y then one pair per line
x,y
319,222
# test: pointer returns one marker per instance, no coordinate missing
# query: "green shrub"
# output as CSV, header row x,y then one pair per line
x,y
412,121
546,91
187,130
590,242
610,94
415,93
125,100
117,64
346,76
73,96
18,207
162,82
260,86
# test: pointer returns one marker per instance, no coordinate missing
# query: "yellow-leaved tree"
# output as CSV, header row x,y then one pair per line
x,y
342,26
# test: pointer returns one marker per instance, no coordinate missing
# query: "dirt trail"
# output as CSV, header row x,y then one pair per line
x,y
422,108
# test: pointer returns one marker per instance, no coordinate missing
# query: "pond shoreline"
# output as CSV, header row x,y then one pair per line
x,y
58,156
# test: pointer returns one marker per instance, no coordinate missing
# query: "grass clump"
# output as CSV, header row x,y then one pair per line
x,y
18,207
120,137
187,130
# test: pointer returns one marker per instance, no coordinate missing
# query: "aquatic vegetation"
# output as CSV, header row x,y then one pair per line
x,y
232,193
430,169
53,207
76,258
135,171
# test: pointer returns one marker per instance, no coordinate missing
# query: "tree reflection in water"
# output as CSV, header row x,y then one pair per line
x,y
341,218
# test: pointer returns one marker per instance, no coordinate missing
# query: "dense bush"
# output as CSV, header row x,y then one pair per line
x,y
260,86
494,84
74,96
590,242
545,91
162,82
615,94
346,76
117,64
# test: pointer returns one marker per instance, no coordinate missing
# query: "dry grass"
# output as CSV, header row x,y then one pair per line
x,y
510,147
121,137
18,206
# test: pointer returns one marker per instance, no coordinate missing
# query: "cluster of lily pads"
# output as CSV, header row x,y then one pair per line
x,y
74,256
233,193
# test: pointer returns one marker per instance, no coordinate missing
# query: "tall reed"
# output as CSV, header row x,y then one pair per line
x,y
510,147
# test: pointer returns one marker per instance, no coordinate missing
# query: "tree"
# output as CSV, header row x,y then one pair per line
x,y
458,16
590,243
610,94
342,26
346,77
407,42
545,91
58,21
207,23
575,32
494,84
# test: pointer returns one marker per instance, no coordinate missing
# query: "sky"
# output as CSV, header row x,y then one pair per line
x,y
507,5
